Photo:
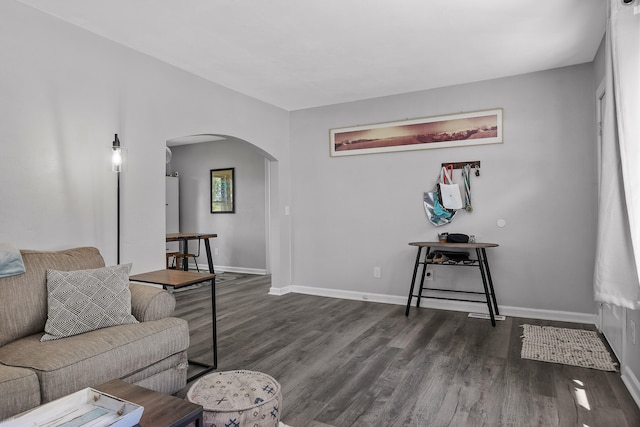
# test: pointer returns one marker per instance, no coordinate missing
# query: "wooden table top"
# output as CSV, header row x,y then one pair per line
x,y
454,245
175,237
159,409
173,278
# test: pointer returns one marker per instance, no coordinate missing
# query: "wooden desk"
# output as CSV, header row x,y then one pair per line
x,y
178,279
159,409
481,262
185,237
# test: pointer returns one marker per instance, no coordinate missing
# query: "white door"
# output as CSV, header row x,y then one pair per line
x,y
173,209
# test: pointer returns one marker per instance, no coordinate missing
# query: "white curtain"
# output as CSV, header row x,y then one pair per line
x,y
616,279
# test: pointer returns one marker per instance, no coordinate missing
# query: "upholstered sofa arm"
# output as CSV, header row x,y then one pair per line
x,y
150,303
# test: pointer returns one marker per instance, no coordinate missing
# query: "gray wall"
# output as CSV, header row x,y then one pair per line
x,y
241,240
65,92
357,212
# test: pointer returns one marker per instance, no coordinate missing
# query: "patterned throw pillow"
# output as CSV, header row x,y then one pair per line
x,y
84,300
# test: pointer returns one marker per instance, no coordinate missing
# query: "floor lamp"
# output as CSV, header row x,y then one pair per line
x,y
116,166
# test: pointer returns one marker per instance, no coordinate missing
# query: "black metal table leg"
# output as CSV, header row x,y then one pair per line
x,y
214,321
486,287
207,247
493,293
185,251
424,271
214,332
413,281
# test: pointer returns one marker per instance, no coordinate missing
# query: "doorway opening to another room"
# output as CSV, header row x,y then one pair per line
x,y
244,234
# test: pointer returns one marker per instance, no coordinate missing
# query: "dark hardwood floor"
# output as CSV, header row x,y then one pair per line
x,y
355,363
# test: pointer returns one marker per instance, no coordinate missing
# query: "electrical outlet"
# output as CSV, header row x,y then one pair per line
x,y
216,252
633,332
376,272
428,275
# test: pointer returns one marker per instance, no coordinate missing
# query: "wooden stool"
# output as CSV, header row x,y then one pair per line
x,y
180,258
170,255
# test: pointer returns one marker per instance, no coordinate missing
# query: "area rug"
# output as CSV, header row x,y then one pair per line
x,y
575,347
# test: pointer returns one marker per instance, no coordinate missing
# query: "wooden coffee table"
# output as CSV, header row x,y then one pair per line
x,y
160,409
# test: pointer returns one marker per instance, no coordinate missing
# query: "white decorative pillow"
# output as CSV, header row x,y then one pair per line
x,y
84,300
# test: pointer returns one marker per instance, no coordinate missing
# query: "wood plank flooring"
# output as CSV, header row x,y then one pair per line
x,y
354,363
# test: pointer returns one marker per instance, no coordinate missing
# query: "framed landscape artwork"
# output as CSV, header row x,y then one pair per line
x,y
453,130
222,189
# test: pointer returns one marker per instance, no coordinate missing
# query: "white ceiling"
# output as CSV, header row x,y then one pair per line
x,y
305,53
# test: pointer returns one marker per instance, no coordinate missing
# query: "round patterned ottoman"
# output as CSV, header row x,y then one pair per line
x,y
238,399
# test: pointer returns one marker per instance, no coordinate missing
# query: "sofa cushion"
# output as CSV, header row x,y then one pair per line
x,y
86,360
85,300
23,298
19,391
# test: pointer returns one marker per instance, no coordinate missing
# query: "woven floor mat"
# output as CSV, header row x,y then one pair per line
x,y
575,347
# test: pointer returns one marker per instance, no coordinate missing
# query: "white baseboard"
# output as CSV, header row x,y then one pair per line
x,y
279,291
632,383
530,313
228,269
560,316
351,295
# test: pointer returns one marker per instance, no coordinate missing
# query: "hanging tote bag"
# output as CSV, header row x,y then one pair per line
x,y
436,213
449,190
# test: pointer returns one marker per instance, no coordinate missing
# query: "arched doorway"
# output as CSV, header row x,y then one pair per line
x,y
244,242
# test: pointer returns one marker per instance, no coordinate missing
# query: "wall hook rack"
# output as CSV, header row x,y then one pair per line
x,y
460,165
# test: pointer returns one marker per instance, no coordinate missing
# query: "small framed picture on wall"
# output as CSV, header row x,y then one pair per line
x,y
222,190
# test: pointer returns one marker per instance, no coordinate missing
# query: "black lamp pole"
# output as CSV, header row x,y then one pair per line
x,y
118,253
117,163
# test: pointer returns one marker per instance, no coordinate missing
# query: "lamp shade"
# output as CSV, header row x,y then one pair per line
x,y
116,156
